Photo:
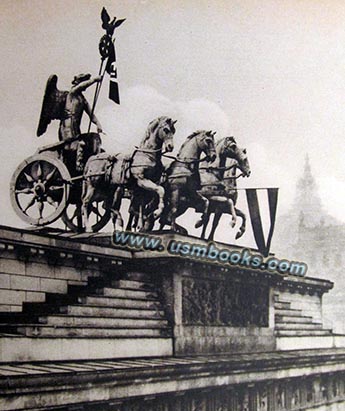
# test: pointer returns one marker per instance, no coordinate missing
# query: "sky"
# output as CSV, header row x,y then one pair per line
x,y
270,73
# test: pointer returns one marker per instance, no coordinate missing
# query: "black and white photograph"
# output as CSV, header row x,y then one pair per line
x,y
172,226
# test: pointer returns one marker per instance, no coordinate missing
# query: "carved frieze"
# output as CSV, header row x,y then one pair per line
x,y
224,303
286,395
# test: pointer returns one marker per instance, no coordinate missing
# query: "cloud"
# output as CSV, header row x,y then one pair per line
x,y
125,124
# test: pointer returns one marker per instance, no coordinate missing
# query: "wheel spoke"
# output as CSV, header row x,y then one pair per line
x,y
30,204
24,191
29,178
73,217
40,189
39,170
40,205
50,175
55,188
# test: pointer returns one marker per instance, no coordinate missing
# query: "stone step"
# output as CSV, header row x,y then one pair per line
x,y
120,302
43,308
95,311
60,299
283,301
298,326
278,297
108,322
304,342
299,302
293,319
75,348
282,305
133,285
291,312
65,332
78,290
124,293
17,317
101,281
300,333
136,276
9,328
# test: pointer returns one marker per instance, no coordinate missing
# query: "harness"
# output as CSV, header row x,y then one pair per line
x,y
190,163
143,150
215,188
101,157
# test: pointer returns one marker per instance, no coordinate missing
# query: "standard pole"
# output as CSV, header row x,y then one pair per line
x,y
95,97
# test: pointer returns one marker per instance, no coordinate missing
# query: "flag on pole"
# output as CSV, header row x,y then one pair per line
x,y
107,51
255,217
111,69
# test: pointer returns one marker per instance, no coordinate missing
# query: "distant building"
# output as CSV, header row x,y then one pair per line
x,y
308,233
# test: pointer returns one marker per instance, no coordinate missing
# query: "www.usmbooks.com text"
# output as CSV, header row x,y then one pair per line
x,y
243,258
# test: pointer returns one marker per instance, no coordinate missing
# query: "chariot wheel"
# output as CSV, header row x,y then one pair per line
x,y
40,189
72,217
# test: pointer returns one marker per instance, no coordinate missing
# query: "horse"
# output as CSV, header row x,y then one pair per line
x,y
218,182
106,177
183,179
142,206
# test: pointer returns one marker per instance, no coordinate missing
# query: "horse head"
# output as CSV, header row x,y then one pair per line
x,y
164,129
205,141
232,150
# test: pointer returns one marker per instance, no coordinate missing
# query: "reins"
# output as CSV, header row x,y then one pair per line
x,y
143,150
147,150
211,168
192,160
233,178
223,179
187,161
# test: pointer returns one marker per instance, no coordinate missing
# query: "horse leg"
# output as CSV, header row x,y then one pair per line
x,y
87,194
199,197
206,220
214,225
132,220
151,205
159,190
226,201
149,220
242,228
149,223
232,212
164,219
140,223
115,207
148,207
174,200
180,209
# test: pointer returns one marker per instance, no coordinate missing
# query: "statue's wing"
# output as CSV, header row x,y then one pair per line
x,y
118,22
53,105
105,18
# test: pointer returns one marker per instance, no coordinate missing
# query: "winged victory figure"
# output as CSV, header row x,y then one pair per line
x,y
67,106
